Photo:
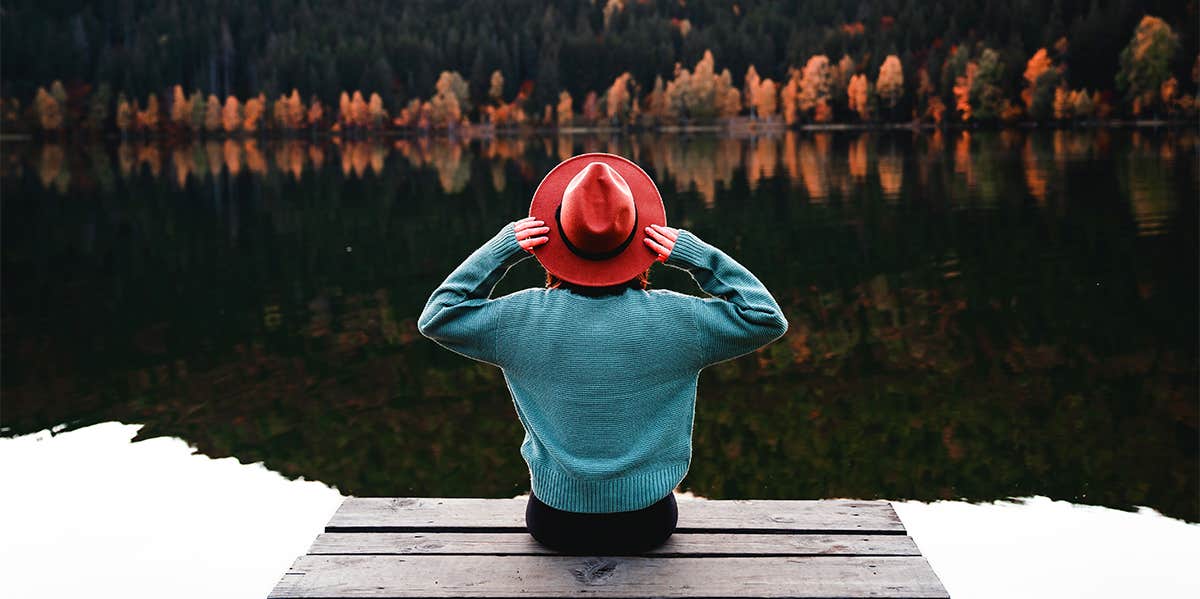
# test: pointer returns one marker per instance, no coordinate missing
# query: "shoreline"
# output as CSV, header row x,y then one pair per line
x,y
731,129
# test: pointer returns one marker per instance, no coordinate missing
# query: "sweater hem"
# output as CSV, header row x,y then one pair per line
x,y
625,494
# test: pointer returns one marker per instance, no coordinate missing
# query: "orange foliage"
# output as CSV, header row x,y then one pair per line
x,y
823,112
1038,64
890,84
962,90
856,94
764,99
564,109
315,112
936,109
181,109
231,116
788,96
252,113
49,112
148,118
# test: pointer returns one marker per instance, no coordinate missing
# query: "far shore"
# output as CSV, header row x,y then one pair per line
x,y
736,129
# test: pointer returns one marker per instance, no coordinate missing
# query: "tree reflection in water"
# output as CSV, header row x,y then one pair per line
x,y
974,315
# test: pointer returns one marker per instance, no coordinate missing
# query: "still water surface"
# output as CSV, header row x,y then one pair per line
x,y
975,316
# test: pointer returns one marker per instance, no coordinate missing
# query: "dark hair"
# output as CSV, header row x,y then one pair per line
x,y
641,282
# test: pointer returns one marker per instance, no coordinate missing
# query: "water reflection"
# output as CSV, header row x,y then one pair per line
x,y
974,315
703,165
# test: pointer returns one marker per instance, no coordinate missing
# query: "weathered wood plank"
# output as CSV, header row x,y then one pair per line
x,y
449,514
338,576
679,544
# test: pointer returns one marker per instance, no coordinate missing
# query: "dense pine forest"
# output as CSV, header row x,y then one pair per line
x,y
225,66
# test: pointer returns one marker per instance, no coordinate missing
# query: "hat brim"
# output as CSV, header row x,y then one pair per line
x,y
560,261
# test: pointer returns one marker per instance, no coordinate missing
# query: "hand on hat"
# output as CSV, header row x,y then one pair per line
x,y
528,230
661,240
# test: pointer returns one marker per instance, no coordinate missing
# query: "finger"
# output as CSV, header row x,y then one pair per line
x,y
659,237
525,224
668,232
529,244
659,249
531,232
527,218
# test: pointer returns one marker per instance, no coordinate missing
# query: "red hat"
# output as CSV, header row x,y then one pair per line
x,y
597,207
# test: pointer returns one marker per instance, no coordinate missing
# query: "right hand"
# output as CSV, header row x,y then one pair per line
x,y
528,230
661,240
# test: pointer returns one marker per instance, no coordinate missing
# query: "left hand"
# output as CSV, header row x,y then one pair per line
x,y
528,231
661,240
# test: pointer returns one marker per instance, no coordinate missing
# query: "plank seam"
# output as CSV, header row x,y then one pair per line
x,y
478,530
599,555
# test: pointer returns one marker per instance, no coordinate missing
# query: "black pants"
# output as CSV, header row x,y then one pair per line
x,y
617,533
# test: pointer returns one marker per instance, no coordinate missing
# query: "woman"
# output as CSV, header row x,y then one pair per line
x,y
602,370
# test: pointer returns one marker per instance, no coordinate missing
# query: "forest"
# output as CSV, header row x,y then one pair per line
x,y
224,68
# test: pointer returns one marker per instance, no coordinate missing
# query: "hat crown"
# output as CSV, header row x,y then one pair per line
x,y
597,212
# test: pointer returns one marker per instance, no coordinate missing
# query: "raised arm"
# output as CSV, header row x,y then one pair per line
x,y
459,316
741,317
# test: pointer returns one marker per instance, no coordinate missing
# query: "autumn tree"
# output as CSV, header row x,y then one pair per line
x,y
842,72
49,110
125,115
213,114
1041,79
1145,63
451,82
591,108
295,110
252,113
816,80
445,110
656,107
199,111
890,84
496,87
376,114
858,96
750,87
231,115
181,110
788,96
618,98
987,98
345,116
765,99
148,119
962,91
359,114
316,111
702,94
563,109
925,94
98,108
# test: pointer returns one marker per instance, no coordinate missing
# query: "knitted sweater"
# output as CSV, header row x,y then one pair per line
x,y
605,387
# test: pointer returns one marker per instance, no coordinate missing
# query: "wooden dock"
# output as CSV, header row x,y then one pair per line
x,y
444,547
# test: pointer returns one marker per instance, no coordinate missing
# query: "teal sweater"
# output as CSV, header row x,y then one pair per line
x,y
604,386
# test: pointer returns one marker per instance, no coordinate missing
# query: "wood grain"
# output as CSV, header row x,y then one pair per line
x,y
679,544
382,514
338,576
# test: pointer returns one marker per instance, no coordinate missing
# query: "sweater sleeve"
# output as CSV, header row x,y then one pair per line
x,y
459,316
742,317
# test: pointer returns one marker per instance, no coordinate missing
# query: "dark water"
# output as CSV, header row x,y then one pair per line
x,y
973,315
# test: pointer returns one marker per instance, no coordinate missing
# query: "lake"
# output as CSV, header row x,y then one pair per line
x,y
974,315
